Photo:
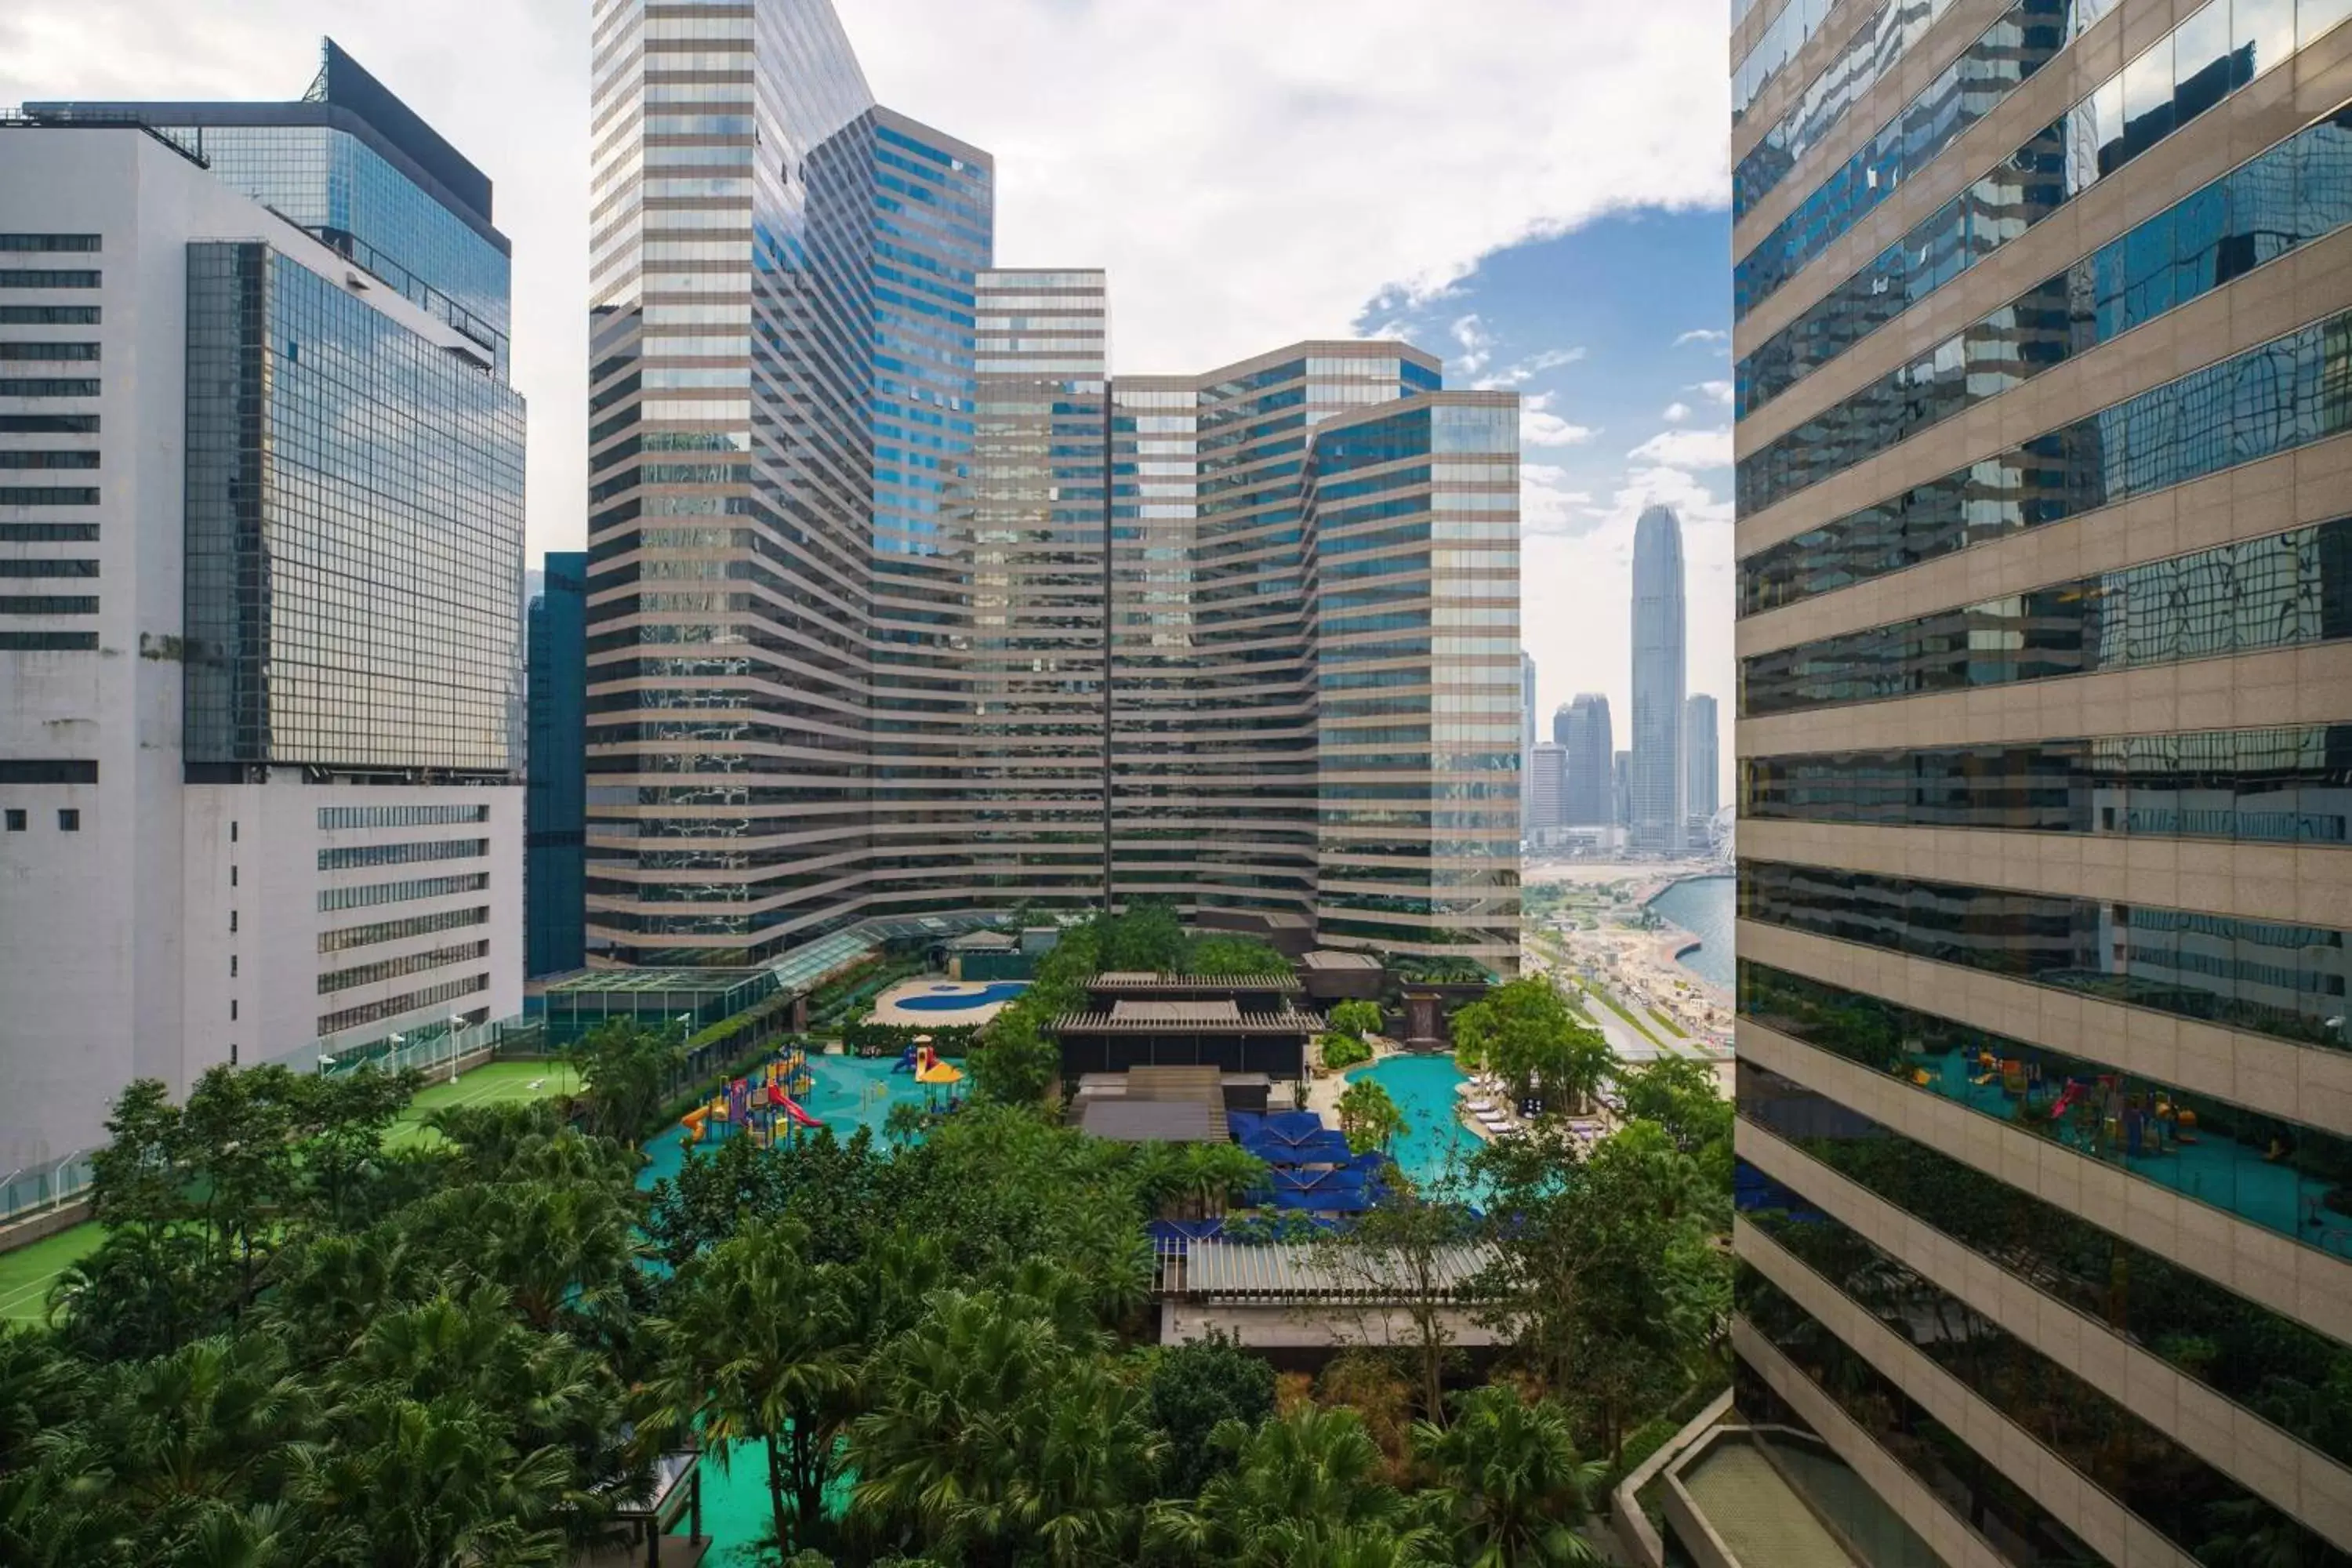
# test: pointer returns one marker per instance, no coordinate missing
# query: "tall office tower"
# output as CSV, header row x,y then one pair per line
x,y
1034,759
869,529
2043,1142
1312,697
782,399
1588,795
1658,650
1546,778
1701,791
260,765
555,642
1621,788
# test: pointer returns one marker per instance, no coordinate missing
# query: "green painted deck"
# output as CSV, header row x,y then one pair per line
x,y
1764,1523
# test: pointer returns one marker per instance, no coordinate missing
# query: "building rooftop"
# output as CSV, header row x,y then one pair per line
x,y
1339,958
1132,1120
1308,1271
1195,985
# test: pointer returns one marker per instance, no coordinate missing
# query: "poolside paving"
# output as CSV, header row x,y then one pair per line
x,y
887,1011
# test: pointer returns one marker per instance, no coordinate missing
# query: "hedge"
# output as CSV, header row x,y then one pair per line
x,y
890,1039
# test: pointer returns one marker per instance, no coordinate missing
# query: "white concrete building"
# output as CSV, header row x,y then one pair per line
x,y
260,555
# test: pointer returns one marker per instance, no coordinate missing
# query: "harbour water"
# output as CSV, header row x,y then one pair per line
x,y
1703,906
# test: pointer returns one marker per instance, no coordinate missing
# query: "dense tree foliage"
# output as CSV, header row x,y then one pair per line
x,y
304,1346
1526,1034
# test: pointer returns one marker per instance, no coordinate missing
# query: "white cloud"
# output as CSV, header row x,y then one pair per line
x,y
1520,371
1546,503
1709,335
1540,427
1716,391
1250,178
1686,450
1476,342
1676,413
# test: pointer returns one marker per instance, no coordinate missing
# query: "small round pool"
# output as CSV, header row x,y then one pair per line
x,y
988,995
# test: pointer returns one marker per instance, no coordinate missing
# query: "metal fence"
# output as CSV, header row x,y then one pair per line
x,y
32,1189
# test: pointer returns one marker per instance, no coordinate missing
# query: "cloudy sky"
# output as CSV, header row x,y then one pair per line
x,y
1532,187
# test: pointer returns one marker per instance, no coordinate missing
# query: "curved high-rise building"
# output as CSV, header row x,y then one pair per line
x,y
1656,780
1587,796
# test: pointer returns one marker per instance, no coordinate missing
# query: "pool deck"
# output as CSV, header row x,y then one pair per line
x,y
887,1011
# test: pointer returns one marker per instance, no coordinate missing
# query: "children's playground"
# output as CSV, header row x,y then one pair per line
x,y
2138,1127
767,1103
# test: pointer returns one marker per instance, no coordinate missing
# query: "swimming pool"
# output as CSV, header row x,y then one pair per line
x,y
955,999
1435,1139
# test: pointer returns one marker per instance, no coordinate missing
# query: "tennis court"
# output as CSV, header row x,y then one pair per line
x,y
27,1274
491,1084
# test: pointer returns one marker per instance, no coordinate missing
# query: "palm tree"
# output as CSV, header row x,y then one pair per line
x,y
1510,1473
1313,1469
757,1344
991,1437
1369,1117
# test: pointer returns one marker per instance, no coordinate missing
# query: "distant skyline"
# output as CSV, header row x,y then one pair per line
x,y
1306,199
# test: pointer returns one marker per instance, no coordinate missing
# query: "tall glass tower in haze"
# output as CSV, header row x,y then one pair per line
x,y
901,607
1659,640
2043,384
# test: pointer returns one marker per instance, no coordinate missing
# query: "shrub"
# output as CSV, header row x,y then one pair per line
x,y
1343,1050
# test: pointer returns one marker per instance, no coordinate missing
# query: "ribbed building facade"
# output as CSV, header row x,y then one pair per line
x,y
900,605
2043,377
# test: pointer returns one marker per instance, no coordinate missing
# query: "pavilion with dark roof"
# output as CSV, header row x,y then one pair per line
x,y
1236,1023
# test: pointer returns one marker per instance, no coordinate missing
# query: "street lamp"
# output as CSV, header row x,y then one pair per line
x,y
456,1022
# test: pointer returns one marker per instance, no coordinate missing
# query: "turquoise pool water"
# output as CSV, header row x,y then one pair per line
x,y
947,999
1434,1138
848,1093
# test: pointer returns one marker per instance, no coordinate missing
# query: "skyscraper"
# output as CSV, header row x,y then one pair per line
x,y
1527,736
1621,788
2045,708
902,606
1656,780
1701,793
1546,778
554,797
1588,792
261,757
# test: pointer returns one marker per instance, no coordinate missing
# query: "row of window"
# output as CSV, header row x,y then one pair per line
x,y
48,642
48,533
2298,192
47,277
34,457
47,603
2223,46
2267,977
57,352
375,893
392,1006
401,854
47,386
48,316
1786,34
49,495
16,818
2287,590
2273,1174
333,817
393,968
50,425
2288,785
350,937
2057,163
48,242
2094,1430
1868,57
48,771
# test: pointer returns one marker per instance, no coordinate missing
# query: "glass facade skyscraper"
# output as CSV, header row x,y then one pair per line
x,y
2044,532
899,604
1660,649
555,795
